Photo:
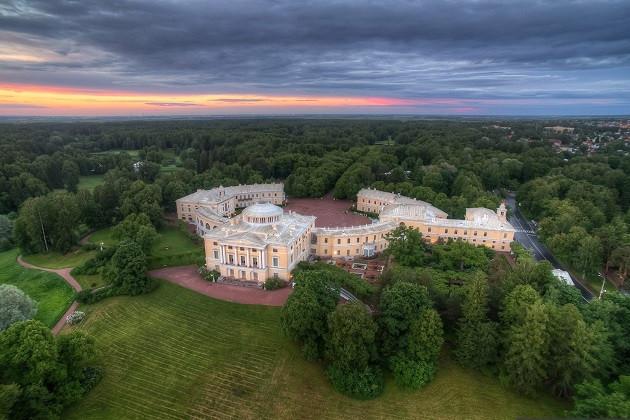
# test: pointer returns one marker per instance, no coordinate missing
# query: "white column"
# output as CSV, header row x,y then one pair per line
x,y
262,258
249,261
224,259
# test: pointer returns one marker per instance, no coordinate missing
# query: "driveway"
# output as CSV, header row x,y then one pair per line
x,y
188,277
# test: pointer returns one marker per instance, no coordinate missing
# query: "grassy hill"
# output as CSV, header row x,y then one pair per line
x,y
178,354
51,292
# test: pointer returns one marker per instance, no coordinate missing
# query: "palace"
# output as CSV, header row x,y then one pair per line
x,y
264,241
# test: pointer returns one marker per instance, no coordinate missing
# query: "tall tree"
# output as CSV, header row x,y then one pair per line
x,y
527,350
15,306
127,269
476,335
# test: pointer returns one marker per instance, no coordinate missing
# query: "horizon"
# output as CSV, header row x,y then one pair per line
x,y
144,59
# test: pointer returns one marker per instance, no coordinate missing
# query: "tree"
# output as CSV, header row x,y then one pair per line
x,y
620,258
350,343
400,304
593,400
6,233
48,374
460,255
477,339
304,316
350,349
28,357
143,198
426,336
574,347
15,306
527,350
516,303
127,269
136,228
407,246
70,175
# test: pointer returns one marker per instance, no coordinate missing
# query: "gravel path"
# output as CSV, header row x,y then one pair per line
x,y
188,277
65,274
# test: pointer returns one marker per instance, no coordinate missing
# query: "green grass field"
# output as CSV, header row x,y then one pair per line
x,y
178,354
172,247
57,260
51,292
90,181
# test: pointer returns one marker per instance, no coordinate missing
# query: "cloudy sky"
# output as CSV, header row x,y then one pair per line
x,y
154,57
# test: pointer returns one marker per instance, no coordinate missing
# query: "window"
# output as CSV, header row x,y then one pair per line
x,y
231,259
275,250
325,251
485,234
475,233
505,235
429,230
338,241
445,230
242,260
357,240
255,276
465,232
214,243
455,232
255,261
325,240
274,261
348,240
216,254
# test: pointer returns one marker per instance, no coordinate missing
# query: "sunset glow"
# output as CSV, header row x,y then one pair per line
x,y
50,100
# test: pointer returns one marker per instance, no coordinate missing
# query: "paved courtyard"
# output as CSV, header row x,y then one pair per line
x,y
329,212
188,277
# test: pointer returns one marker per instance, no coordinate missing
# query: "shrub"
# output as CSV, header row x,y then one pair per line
x,y
75,318
209,275
15,306
411,374
273,283
94,264
96,295
349,281
363,384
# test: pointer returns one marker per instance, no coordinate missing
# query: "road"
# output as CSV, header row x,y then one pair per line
x,y
526,236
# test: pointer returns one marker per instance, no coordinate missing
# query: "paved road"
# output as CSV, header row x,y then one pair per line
x,y
526,236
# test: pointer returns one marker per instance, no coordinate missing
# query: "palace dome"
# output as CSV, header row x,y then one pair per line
x,y
262,213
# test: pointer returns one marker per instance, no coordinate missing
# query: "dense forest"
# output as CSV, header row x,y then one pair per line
x,y
578,198
509,318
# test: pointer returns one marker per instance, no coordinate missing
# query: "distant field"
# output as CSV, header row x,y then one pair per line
x,y
90,181
51,292
177,354
57,260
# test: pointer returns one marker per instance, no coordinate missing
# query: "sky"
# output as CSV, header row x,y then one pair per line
x,y
268,57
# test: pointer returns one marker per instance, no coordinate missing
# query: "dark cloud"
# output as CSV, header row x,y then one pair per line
x,y
482,49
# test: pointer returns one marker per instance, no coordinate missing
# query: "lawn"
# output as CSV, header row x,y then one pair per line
x,y
178,354
51,292
57,260
172,247
88,182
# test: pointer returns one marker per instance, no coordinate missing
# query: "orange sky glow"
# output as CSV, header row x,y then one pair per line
x,y
51,100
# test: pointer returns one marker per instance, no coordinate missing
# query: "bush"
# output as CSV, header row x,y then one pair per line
x,y
273,283
209,275
411,374
15,306
353,283
96,295
363,384
75,318
94,264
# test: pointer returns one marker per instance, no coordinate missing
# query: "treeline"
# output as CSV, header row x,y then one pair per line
x,y
451,164
515,321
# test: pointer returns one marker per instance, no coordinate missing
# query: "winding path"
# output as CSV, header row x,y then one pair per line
x,y
65,274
